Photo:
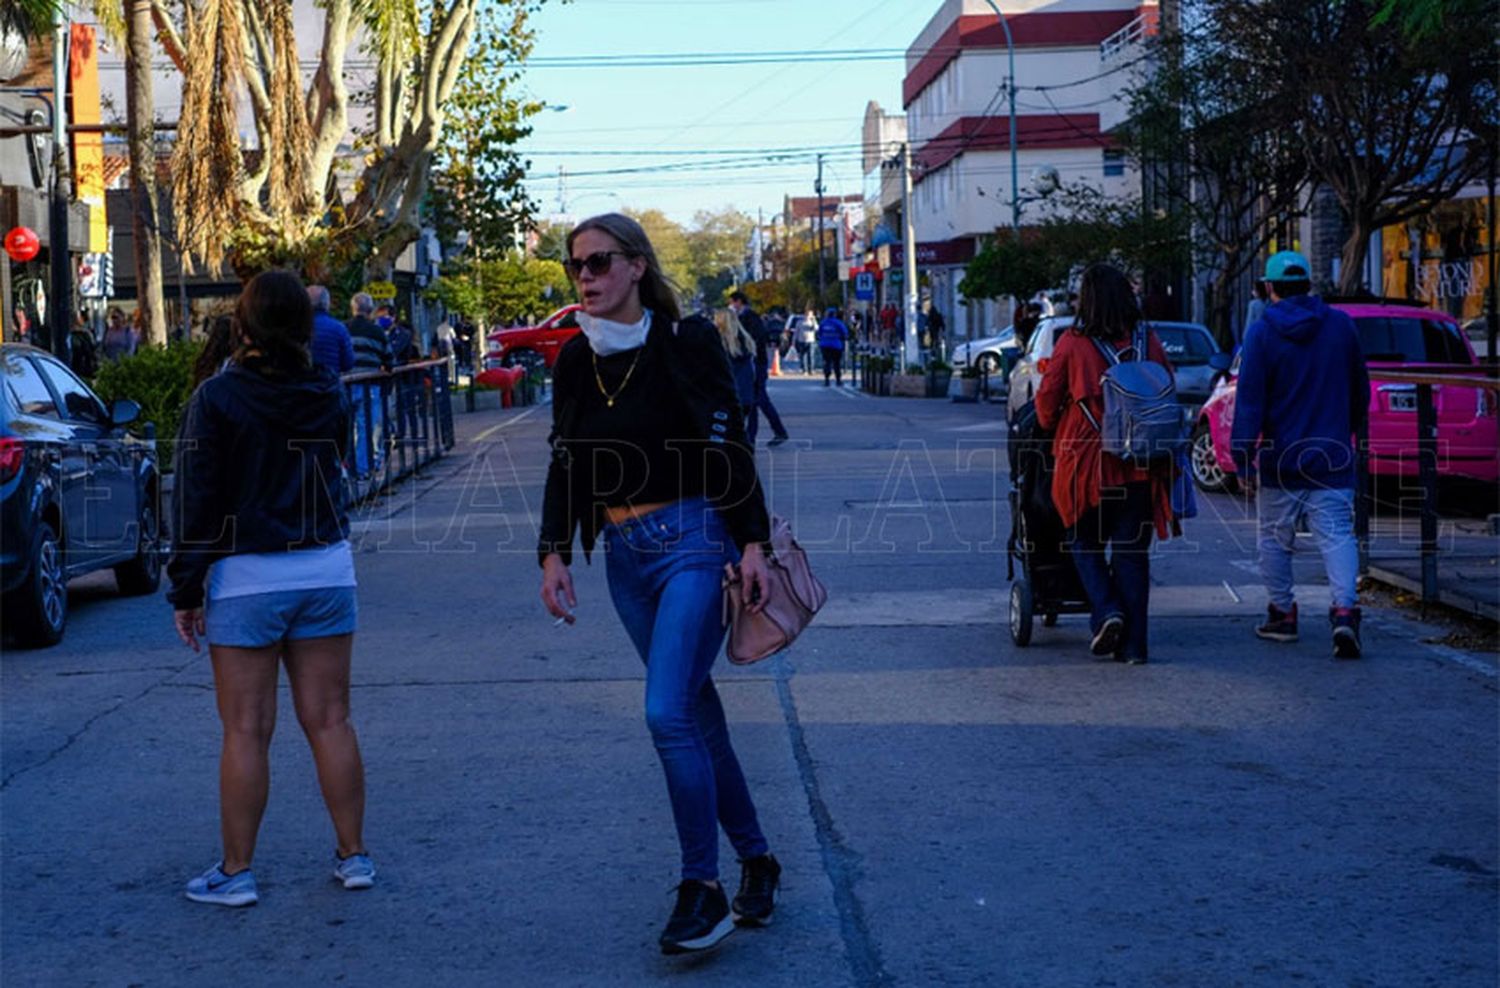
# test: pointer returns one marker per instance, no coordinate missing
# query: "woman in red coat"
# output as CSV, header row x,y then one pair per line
x,y
1103,500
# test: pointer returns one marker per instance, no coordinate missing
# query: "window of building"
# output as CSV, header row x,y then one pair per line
x,y
1114,162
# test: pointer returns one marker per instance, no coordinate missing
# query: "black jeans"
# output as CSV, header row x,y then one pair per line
x,y
1122,585
833,363
763,404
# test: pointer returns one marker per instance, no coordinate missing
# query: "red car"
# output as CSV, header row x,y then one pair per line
x,y
533,346
1394,337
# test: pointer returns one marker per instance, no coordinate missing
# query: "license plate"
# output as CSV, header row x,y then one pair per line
x,y
1403,402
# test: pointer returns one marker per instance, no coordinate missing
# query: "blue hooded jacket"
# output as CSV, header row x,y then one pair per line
x,y
1302,393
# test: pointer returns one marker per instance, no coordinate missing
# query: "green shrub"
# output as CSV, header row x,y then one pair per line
x,y
159,379
915,369
939,366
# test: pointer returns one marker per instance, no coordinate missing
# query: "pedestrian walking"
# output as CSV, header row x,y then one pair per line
x,y
1106,503
807,341
671,519
765,341
739,346
832,335
120,337
371,353
261,570
331,344
1256,309
1302,395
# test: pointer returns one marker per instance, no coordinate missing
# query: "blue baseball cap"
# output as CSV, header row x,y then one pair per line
x,y
1288,265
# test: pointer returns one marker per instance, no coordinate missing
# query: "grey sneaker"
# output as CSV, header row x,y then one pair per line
x,y
218,889
356,871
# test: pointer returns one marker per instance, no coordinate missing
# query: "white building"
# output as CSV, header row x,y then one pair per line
x,y
1070,84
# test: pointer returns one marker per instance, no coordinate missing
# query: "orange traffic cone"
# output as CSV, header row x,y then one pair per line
x,y
775,362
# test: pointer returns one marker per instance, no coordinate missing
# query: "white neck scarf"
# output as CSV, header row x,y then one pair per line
x,y
607,336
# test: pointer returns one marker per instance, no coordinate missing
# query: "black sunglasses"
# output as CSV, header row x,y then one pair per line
x,y
598,262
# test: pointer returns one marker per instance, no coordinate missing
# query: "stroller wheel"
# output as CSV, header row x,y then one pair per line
x,y
1021,607
1049,620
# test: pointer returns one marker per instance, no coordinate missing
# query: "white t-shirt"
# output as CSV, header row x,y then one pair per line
x,y
271,572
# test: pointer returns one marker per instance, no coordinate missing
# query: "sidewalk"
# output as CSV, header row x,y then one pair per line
x,y
1468,563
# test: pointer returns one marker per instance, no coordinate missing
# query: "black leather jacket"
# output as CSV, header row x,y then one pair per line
x,y
258,470
700,370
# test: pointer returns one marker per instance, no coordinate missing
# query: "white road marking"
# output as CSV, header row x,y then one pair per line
x,y
501,425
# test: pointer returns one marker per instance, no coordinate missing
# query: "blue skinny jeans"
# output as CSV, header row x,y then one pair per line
x,y
665,570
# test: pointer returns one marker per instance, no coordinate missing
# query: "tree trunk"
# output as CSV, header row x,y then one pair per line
x,y
1356,250
151,317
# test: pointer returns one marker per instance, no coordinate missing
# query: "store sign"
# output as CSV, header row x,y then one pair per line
x,y
381,290
864,286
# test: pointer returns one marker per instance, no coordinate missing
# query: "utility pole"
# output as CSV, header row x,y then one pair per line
x,y
60,305
1010,88
818,188
151,320
911,346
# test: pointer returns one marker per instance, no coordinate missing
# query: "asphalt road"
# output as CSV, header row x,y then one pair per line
x,y
949,809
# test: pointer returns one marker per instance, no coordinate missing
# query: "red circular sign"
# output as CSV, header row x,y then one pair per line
x,y
22,243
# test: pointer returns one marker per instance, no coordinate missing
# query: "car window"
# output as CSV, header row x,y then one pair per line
x,y
27,390
1409,340
78,401
1173,341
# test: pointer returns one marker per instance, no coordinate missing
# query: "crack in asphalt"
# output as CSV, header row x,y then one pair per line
x,y
73,738
840,863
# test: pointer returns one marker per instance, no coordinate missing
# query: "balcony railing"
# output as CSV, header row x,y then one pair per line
x,y
1143,27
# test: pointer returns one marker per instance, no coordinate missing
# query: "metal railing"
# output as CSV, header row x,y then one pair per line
x,y
1457,376
1144,26
403,420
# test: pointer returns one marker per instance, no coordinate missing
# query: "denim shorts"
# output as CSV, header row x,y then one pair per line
x,y
261,619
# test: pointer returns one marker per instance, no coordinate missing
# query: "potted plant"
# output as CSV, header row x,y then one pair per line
x,y
912,384
964,387
939,373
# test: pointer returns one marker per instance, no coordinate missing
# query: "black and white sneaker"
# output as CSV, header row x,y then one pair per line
x,y
1110,636
700,920
756,899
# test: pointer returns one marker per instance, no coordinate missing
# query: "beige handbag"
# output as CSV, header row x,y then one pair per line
x,y
793,596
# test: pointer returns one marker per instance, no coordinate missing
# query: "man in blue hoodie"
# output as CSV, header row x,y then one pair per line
x,y
1303,393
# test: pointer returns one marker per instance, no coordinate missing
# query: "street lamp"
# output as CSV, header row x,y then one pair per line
x,y
1010,85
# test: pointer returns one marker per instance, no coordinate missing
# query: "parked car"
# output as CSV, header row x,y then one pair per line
x,y
1190,347
78,493
1026,375
987,352
1394,337
533,346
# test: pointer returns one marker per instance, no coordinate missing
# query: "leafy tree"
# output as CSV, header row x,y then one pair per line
x,y
1391,123
477,171
766,295
504,289
1214,154
284,204
716,245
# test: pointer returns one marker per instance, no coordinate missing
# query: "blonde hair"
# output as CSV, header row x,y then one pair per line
x,y
732,333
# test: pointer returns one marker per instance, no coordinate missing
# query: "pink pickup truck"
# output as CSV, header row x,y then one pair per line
x,y
1394,337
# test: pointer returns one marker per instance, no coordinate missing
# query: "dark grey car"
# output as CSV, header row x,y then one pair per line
x,y
1189,346
78,493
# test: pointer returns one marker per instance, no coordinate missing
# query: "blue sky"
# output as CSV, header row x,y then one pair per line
x,y
709,108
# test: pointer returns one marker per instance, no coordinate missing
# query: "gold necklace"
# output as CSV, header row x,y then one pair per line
x,y
609,399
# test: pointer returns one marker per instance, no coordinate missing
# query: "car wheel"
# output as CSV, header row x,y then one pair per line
x,y
37,610
1207,473
988,363
142,575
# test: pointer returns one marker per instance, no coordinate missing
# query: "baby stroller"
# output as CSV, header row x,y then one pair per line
x,y
1048,584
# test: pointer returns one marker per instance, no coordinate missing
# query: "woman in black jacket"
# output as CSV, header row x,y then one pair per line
x,y
262,571
649,451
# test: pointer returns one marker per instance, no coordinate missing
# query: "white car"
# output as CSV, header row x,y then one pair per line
x,y
985,351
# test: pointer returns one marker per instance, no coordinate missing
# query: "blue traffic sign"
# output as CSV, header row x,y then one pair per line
x,y
864,286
